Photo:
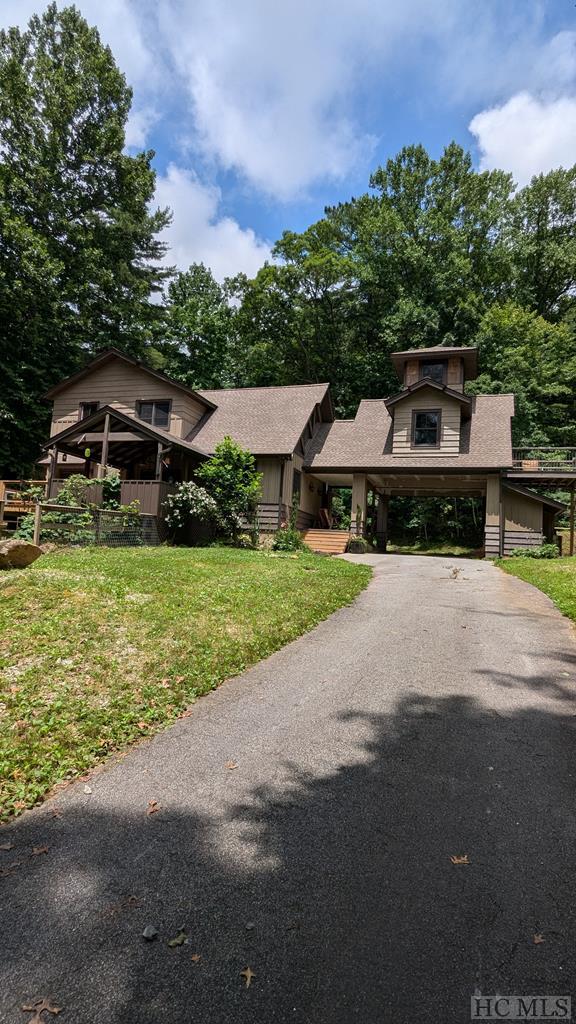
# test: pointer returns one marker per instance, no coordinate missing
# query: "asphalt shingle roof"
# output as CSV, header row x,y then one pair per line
x,y
366,441
266,421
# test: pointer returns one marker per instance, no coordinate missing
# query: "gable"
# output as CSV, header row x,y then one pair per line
x,y
122,384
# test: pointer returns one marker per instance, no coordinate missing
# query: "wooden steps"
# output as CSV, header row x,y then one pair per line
x,y
326,542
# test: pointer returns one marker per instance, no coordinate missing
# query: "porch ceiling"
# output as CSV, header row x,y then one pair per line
x,y
417,485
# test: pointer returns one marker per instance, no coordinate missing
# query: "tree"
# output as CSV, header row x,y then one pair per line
x,y
196,330
231,479
526,355
544,243
78,244
415,262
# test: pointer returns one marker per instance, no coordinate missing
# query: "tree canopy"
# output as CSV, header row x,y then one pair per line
x,y
79,247
435,252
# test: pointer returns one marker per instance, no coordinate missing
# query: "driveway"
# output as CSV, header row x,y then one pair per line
x,y
434,718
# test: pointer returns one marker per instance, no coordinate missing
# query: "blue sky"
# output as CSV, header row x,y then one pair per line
x,y
262,113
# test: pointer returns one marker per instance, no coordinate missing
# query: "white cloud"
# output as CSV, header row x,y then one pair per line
x,y
139,125
527,135
198,234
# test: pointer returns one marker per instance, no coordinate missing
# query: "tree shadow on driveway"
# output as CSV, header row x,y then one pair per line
x,y
338,890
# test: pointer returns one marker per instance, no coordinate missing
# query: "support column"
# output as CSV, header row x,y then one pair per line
x,y
382,522
105,443
571,549
494,525
359,500
51,471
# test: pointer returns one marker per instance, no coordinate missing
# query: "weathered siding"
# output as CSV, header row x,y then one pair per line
x,y
450,426
122,387
455,375
271,470
522,514
523,520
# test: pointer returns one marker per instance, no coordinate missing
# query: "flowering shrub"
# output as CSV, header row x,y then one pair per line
x,y
189,502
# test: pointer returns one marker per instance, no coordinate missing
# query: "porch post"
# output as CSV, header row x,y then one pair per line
x,y
359,498
382,522
159,461
572,519
51,471
105,444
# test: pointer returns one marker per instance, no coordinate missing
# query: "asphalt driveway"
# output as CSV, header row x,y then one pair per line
x,y
306,816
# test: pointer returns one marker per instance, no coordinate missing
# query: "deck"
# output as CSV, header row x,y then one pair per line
x,y
543,463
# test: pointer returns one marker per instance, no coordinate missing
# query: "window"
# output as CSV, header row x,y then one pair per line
x,y
296,482
87,409
435,371
157,414
426,428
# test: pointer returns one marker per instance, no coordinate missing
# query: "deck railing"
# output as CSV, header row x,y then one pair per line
x,y
544,460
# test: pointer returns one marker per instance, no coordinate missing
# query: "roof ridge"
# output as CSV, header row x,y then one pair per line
x,y
263,387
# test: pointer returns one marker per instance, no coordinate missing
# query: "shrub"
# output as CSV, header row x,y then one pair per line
x,y
358,546
189,502
542,551
230,477
288,538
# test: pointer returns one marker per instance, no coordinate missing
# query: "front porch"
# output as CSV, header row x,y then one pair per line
x,y
149,461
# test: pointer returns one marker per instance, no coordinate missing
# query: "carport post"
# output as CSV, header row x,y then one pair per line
x,y
572,519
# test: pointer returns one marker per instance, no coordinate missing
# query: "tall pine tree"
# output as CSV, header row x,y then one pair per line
x,y
79,247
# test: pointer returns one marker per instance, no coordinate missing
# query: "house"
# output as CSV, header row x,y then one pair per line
x,y
428,439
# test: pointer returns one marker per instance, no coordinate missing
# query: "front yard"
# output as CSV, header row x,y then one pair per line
x,y
100,647
556,577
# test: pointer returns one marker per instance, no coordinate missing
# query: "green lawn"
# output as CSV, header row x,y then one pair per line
x,y
556,577
99,647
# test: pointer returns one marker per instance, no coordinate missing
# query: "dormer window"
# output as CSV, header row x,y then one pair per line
x,y
433,370
157,414
426,425
87,409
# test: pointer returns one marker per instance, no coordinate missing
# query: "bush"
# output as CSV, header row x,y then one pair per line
x,y
358,546
542,551
288,538
189,502
230,477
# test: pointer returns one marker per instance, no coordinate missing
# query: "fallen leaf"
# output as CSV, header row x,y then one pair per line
x,y
6,846
247,973
38,1009
19,805
460,858
230,765
142,725
186,714
195,958
37,850
153,807
180,679
538,938
56,812
87,790
178,940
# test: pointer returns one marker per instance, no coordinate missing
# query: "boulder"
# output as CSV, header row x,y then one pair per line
x,y
17,554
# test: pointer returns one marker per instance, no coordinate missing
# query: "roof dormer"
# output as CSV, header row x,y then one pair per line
x,y
450,367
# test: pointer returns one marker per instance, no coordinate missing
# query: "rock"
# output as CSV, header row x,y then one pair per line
x,y
17,554
150,933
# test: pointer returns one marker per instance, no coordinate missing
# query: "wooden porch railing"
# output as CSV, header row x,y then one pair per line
x,y
150,494
544,460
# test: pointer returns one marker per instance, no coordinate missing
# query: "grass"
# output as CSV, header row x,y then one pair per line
x,y
439,547
556,577
99,647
